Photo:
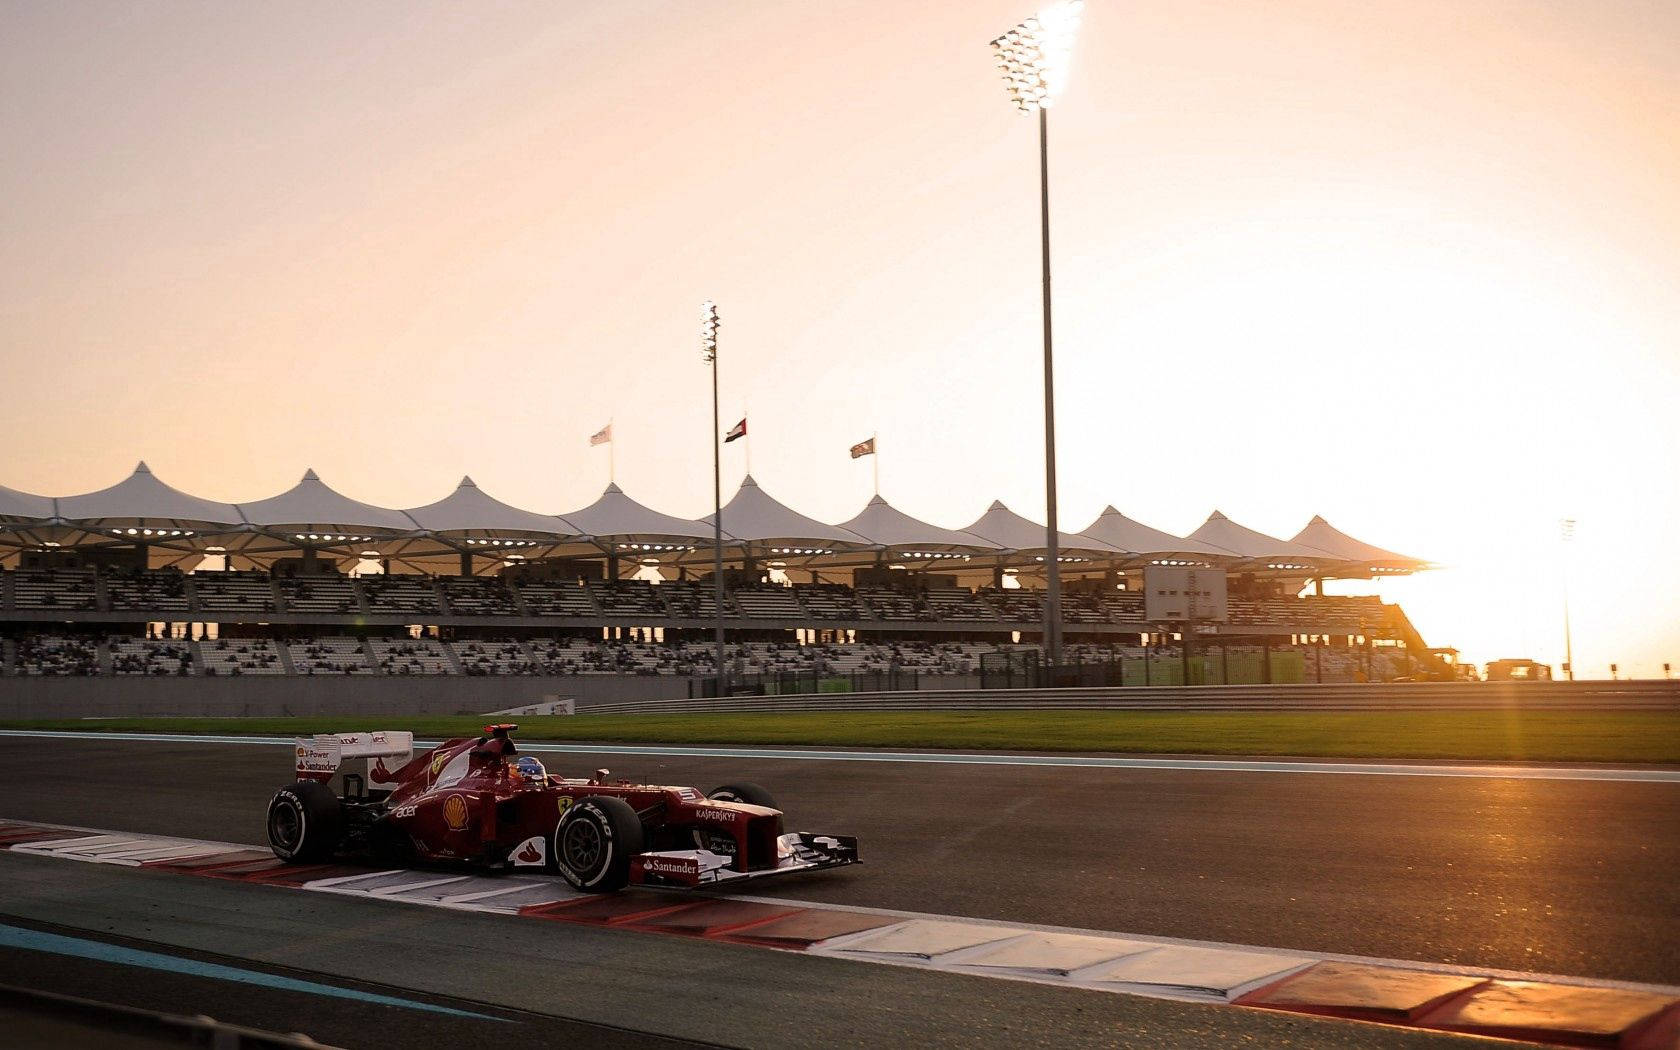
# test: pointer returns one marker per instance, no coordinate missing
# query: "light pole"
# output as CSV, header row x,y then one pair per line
x,y
1567,528
1034,60
708,351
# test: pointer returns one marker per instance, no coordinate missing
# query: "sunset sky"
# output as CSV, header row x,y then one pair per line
x,y
1414,266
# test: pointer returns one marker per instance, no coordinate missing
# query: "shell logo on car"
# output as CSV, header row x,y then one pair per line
x,y
455,813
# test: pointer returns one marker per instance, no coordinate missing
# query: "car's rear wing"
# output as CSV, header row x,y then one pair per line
x,y
319,756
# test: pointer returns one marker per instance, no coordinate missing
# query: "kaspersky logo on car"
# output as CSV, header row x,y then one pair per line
x,y
721,816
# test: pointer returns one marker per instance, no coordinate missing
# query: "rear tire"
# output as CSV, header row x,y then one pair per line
x,y
594,843
751,794
305,823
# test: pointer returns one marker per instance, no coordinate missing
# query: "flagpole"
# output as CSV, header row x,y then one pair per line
x,y
875,459
612,453
747,437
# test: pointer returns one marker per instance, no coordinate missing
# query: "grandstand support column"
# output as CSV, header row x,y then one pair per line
x,y
1052,564
466,564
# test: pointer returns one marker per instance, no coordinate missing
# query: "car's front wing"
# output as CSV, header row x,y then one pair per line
x,y
695,868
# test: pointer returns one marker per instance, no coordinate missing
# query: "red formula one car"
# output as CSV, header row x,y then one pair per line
x,y
478,801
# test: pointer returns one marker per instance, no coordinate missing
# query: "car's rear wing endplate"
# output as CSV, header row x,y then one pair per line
x,y
319,756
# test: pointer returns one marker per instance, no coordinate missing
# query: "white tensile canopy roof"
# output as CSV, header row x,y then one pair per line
x,y
24,506
1147,544
310,506
885,525
1321,535
752,516
911,540
1008,529
142,501
616,517
469,511
1244,543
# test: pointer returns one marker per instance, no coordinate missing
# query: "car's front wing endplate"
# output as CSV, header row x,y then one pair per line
x,y
695,868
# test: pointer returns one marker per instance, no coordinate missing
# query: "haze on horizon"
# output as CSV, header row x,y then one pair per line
x,y
1407,265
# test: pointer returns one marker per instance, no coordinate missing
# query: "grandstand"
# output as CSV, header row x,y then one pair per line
x,y
141,579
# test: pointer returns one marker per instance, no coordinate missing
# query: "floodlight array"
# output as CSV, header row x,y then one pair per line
x,y
708,330
160,533
1034,56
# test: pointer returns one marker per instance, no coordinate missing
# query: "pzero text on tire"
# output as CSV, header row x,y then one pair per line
x,y
304,823
595,841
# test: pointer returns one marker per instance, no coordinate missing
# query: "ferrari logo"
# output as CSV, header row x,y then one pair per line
x,y
437,764
565,802
455,813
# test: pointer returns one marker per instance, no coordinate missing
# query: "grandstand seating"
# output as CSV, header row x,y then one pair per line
x,y
692,600
557,599
888,604
331,655
627,598
57,589
164,592
1083,608
234,592
500,656
957,604
334,595
1016,606
478,596
768,602
54,655
401,594
240,656
410,656
1123,606
831,603
150,656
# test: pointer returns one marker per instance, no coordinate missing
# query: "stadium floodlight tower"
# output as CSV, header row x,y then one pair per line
x,y
708,351
1034,57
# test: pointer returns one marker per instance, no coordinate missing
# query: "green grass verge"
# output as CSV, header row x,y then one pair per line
x,y
1498,736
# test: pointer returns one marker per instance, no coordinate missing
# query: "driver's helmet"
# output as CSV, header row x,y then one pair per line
x,y
530,770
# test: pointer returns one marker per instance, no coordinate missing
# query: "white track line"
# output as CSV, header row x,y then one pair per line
x,y
1199,765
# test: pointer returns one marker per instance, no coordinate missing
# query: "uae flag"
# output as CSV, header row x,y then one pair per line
x,y
601,437
739,430
863,448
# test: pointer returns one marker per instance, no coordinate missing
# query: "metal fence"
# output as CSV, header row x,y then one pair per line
x,y
1392,696
794,683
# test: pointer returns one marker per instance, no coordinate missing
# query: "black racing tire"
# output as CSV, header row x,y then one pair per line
x,y
305,823
595,842
751,794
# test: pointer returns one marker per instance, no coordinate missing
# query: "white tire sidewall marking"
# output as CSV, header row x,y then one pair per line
x,y
602,825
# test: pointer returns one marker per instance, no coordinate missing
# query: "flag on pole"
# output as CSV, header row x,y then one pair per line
x,y
863,448
601,437
739,430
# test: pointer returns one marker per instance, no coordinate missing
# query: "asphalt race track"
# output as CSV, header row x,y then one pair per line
x,y
1565,877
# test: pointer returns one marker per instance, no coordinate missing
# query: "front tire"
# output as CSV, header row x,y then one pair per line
x,y
305,823
751,794
594,843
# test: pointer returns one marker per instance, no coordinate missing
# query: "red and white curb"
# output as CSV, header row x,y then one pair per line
x,y
1558,1011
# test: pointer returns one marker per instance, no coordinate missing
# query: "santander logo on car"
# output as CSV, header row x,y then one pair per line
x,y
671,866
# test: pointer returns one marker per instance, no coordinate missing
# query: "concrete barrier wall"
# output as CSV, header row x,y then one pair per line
x,y
113,697
1394,696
